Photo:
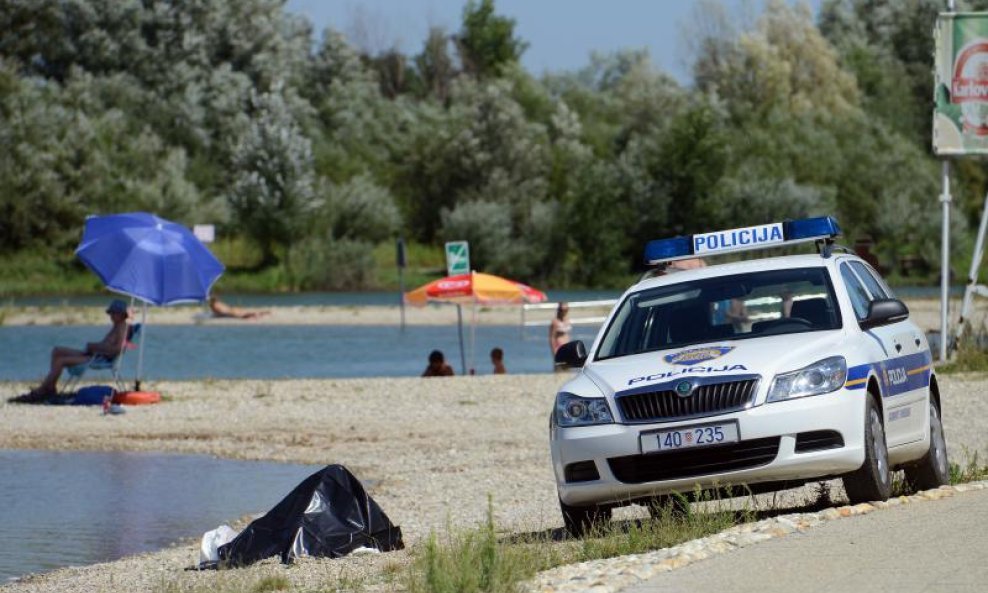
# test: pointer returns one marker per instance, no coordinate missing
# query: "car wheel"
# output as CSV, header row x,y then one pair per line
x,y
674,505
873,480
932,471
580,521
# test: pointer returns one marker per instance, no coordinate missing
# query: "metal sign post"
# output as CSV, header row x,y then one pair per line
x,y
945,250
945,262
960,98
958,41
400,262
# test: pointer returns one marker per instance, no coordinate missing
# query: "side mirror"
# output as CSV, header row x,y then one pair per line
x,y
572,354
883,312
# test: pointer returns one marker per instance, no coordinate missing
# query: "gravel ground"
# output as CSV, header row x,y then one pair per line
x,y
437,448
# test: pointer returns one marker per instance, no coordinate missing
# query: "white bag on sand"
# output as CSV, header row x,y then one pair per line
x,y
211,542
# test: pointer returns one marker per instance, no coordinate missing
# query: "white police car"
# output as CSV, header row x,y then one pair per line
x,y
763,374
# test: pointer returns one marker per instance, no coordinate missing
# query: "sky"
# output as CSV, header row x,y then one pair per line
x,y
560,33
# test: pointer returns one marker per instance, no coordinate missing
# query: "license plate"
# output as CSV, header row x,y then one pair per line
x,y
689,436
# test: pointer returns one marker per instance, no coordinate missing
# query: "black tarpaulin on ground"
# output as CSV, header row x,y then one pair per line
x,y
328,514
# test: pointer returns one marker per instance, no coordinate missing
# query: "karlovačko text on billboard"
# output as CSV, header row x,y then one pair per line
x,y
960,90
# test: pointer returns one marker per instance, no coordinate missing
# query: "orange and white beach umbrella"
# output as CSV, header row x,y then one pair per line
x,y
473,289
483,289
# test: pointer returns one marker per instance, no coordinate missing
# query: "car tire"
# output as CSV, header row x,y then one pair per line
x,y
873,480
933,470
580,521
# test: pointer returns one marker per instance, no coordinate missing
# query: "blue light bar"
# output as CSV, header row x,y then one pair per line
x,y
811,229
776,234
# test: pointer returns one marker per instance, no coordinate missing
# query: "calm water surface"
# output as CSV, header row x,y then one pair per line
x,y
70,508
183,352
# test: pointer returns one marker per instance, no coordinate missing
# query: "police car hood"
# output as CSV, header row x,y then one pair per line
x,y
764,356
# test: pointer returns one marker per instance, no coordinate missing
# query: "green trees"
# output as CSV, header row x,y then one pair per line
x,y
487,42
227,112
272,190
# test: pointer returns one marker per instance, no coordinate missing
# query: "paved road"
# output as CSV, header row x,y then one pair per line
x,y
924,547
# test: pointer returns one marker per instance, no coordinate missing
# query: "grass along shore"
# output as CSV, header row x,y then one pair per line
x,y
460,458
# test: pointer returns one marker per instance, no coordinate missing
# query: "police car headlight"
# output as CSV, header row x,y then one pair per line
x,y
573,410
824,376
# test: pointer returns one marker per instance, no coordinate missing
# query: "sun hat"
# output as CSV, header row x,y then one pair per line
x,y
117,306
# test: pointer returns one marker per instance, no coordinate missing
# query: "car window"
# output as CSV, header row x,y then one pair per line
x,y
732,307
859,295
865,269
876,289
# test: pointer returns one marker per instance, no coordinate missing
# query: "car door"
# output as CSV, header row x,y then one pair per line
x,y
906,374
902,405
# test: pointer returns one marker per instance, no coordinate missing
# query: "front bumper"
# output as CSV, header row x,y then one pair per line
x,y
759,427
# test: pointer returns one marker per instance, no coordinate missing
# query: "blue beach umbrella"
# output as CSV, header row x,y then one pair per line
x,y
150,259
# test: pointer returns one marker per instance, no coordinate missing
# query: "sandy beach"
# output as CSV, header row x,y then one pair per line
x,y
434,314
435,449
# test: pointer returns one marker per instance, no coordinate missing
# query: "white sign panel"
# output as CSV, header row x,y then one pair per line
x,y
750,237
204,232
457,258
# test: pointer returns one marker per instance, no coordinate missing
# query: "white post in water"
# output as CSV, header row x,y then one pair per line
x,y
459,324
473,338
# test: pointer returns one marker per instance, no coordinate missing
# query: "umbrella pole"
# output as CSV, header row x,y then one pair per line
x,y
473,340
140,347
459,324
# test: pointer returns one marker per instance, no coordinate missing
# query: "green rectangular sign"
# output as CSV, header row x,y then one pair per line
x,y
457,258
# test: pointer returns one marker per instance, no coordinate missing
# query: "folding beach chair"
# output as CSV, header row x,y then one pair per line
x,y
102,362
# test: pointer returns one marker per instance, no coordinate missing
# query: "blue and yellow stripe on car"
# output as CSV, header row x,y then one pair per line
x,y
921,369
896,375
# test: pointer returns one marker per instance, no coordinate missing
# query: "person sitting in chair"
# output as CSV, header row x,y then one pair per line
x,y
62,357
221,309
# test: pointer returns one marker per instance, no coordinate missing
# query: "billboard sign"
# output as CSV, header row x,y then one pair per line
x,y
960,89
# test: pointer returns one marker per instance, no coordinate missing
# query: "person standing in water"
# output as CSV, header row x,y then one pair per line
x,y
560,328
437,366
497,360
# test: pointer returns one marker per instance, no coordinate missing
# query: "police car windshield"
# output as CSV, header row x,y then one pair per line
x,y
734,307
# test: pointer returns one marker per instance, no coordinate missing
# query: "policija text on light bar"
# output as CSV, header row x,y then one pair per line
x,y
742,239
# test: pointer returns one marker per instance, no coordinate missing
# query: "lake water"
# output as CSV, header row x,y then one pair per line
x,y
183,352
274,352
70,508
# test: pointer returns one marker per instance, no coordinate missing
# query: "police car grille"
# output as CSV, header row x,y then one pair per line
x,y
705,400
689,463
